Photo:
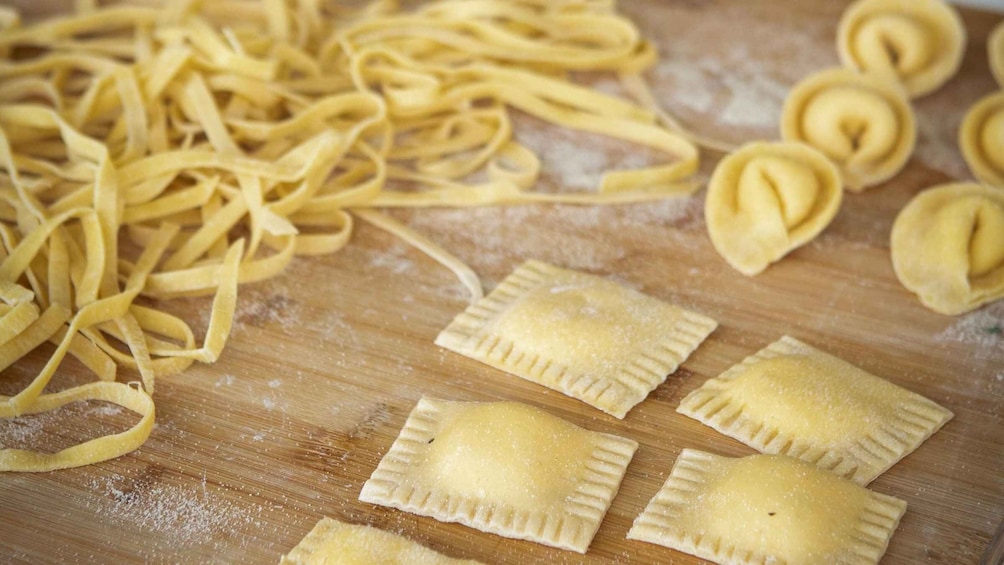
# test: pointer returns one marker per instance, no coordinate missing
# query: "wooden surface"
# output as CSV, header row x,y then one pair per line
x,y
326,361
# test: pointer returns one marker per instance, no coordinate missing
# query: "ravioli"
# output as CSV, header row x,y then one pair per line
x,y
767,509
862,122
981,139
919,43
579,334
948,246
793,399
766,199
504,468
336,543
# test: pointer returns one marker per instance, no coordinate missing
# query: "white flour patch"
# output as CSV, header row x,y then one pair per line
x,y
393,259
225,380
755,102
686,82
983,328
187,516
572,165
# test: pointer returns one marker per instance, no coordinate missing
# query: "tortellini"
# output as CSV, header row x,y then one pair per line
x,y
948,246
995,52
981,139
919,42
862,122
766,199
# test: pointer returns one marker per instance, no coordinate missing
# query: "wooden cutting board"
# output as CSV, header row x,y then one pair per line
x,y
326,361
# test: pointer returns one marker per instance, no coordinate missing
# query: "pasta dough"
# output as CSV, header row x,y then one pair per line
x,y
862,122
948,246
920,43
767,509
795,400
995,52
766,199
582,335
336,543
502,467
150,153
981,139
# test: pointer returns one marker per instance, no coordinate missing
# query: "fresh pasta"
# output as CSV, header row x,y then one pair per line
x,y
919,44
981,139
155,151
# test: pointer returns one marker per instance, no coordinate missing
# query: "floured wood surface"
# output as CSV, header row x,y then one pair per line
x,y
326,361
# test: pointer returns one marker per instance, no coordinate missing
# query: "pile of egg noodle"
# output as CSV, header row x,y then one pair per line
x,y
152,152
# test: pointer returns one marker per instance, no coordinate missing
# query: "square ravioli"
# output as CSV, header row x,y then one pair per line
x,y
582,335
793,399
767,509
336,543
504,468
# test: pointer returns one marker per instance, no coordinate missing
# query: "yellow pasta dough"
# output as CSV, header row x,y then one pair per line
x,y
981,139
767,509
585,336
502,467
862,122
793,399
180,148
766,199
995,52
920,43
948,246
336,543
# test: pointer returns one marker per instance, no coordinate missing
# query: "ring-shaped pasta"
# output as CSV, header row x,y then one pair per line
x,y
766,199
948,247
920,42
862,122
981,139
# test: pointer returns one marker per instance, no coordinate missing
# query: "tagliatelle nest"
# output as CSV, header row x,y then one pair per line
x,y
221,138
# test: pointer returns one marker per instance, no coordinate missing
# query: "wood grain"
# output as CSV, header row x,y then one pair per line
x,y
326,361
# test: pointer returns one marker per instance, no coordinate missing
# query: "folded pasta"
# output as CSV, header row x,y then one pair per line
x,y
948,246
995,52
766,199
863,122
981,139
918,43
149,153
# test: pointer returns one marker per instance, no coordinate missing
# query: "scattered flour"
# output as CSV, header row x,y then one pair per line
x,y
105,409
755,101
188,517
688,82
576,160
266,306
571,164
15,432
394,259
27,430
983,328
225,380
